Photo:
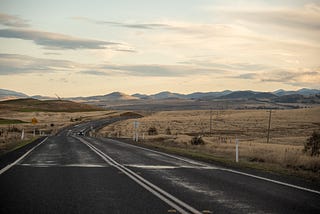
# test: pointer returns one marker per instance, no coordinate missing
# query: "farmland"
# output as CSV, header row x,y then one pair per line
x,y
289,131
49,116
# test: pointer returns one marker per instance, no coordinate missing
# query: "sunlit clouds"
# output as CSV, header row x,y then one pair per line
x,y
207,46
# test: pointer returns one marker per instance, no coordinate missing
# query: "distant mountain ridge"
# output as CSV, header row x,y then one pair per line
x,y
107,97
9,94
302,91
248,95
227,94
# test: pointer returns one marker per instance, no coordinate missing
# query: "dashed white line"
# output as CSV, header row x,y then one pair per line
x,y
64,165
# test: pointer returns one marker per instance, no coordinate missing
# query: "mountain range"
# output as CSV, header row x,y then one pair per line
x,y
277,95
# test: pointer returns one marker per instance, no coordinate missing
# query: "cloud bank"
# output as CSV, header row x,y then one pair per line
x,y
54,40
12,64
12,21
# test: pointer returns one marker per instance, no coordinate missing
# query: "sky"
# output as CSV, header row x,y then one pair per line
x,y
90,47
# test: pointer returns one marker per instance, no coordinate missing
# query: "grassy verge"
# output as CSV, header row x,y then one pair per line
x,y
4,121
16,145
227,162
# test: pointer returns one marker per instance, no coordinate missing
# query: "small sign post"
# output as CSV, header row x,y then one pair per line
x,y
34,121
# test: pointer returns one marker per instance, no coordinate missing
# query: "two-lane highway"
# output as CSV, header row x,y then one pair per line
x,y
69,173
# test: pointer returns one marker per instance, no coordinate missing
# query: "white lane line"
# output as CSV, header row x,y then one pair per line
x,y
155,190
64,165
225,169
166,167
271,180
151,166
23,156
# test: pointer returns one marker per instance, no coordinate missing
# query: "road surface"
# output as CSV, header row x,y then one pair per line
x,y
71,173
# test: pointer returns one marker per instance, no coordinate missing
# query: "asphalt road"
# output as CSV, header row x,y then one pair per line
x,y
70,173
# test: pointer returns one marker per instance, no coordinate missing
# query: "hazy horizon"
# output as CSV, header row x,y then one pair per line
x,y
84,48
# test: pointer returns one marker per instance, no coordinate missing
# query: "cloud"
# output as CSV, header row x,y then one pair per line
x,y
12,21
286,23
56,41
51,53
146,26
11,64
307,18
247,76
157,70
292,77
305,77
97,73
228,65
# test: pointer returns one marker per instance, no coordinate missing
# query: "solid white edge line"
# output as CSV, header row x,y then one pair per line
x,y
271,180
225,169
19,159
136,178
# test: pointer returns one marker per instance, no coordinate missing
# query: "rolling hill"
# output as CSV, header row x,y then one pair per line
x,y
30,105
248,95
114,96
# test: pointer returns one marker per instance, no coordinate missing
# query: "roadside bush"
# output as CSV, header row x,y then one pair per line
x,y
197,140
312,146
152,131
13,129
168,131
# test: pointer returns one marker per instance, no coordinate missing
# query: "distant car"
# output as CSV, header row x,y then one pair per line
x,y
80,133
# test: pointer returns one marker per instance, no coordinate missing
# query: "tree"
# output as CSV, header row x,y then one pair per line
x,y
312,145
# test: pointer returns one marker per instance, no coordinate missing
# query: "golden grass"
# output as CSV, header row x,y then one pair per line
x,y
48,123
289,130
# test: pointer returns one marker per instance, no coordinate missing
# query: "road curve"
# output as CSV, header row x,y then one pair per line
x,y
68,173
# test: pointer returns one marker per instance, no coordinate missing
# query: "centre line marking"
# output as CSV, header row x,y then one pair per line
x,y
166,197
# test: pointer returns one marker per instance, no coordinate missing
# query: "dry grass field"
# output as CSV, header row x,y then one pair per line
x,y
289,130
11,125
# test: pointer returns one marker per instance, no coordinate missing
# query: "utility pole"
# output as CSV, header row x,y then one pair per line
x,y
268,136
237,150
210,122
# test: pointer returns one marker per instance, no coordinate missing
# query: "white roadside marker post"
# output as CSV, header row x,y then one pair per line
x,y
136,134
22,134
237,150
